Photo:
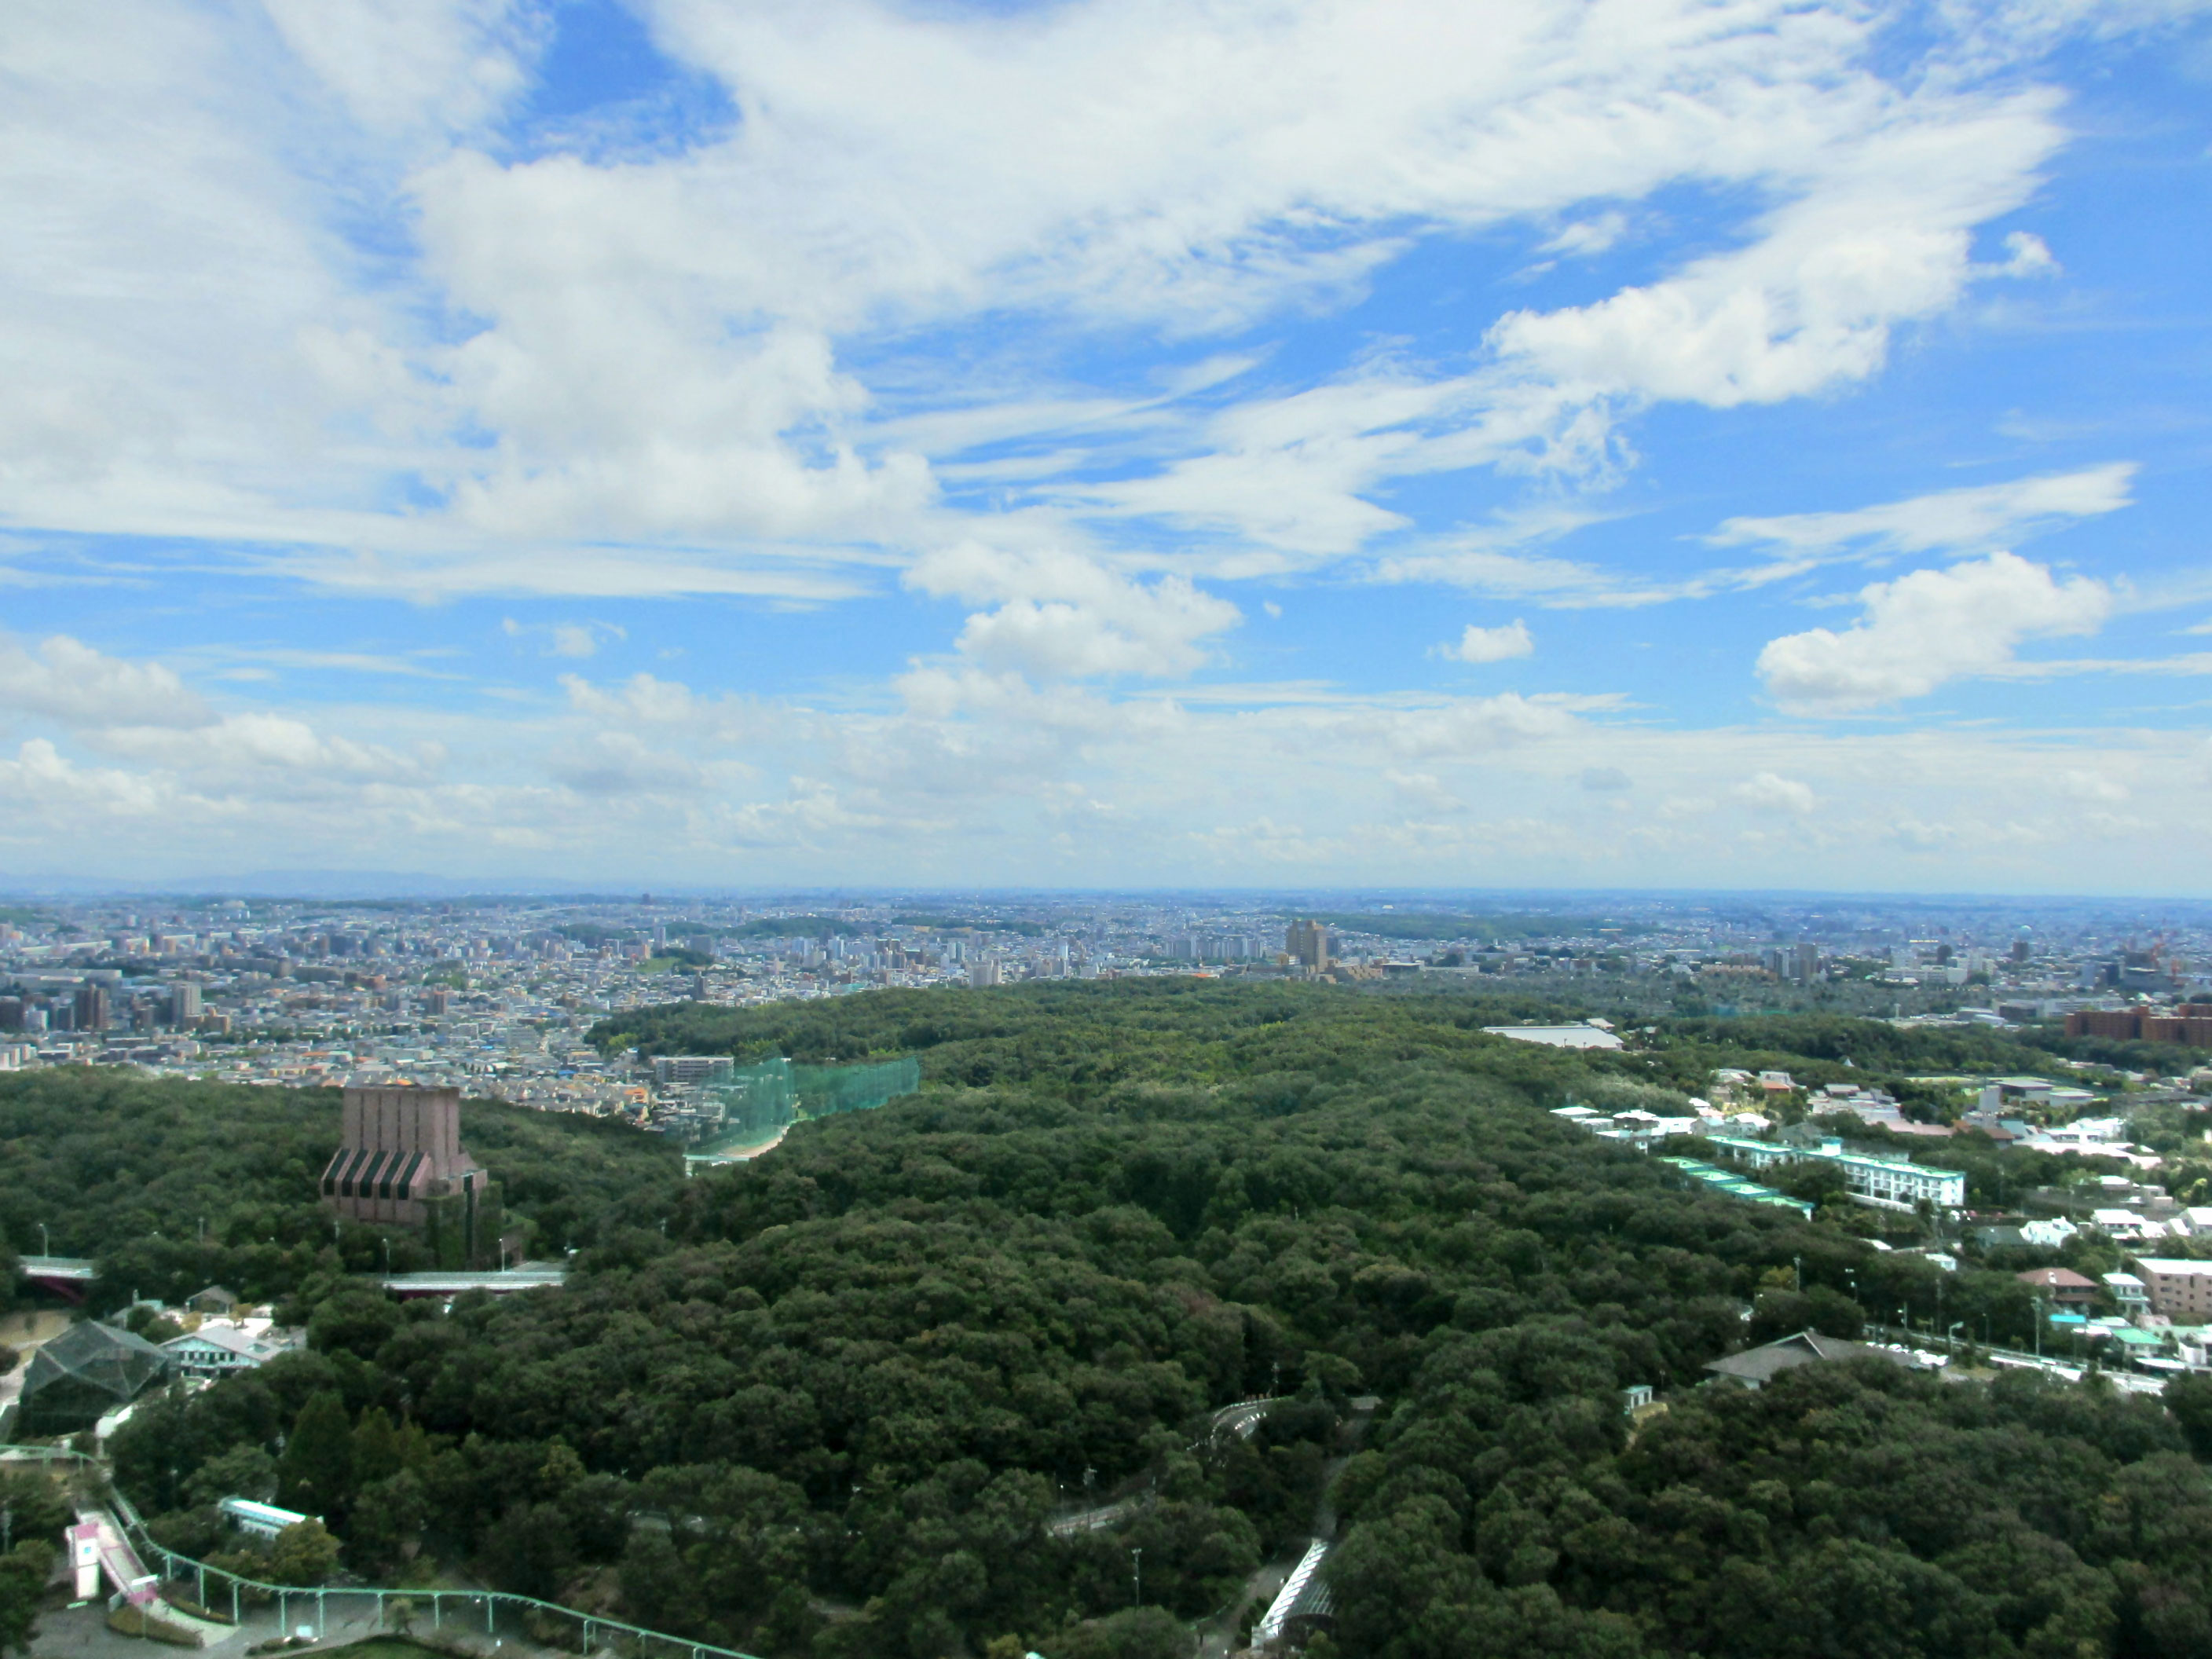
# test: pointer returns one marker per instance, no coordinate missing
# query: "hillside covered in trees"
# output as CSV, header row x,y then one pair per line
x,y
171,1186
830,1410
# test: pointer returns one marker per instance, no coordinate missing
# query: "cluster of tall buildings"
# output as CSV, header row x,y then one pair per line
x,y
99,1005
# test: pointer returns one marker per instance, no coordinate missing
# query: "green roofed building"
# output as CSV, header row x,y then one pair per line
x,y
83,1374
1728,1181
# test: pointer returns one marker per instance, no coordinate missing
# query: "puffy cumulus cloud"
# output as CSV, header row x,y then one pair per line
x,y
1770,791
659,420
41,783
1877,235
1927,629
2026,254
1061,615
646,700
1481,644
642,697
63,679
1468,726
1605,779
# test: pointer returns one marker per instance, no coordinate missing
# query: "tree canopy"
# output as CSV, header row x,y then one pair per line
x,y
830,1403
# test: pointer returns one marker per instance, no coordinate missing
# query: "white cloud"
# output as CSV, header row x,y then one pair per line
x,y
1469,726
403,65
642,697
1481,644
65,680
1421,792
1060,615
1970,520
618,763
2026,254
568,639
682,349
1769,792
2083,784
1927,629
40,781
1604,778
1878,236
1587,236
266,743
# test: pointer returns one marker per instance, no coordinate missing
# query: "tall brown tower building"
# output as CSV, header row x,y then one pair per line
x,y
401,1164
1306,942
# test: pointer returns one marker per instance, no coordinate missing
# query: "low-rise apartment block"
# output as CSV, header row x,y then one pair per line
x,y
1885,1183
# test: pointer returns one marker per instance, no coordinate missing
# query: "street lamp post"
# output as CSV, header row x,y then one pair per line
x,y
46,1244
1137,1577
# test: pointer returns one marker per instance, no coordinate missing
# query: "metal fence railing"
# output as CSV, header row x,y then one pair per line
x,y
492,1613
46,1455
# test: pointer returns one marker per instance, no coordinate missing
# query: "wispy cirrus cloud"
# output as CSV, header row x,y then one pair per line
x,y
1972,519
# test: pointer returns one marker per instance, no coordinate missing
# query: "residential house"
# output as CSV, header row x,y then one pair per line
x,y
2130,1293
222,1346
2061,1285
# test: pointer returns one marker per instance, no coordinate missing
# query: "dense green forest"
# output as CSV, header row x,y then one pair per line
x,y
827,1404
171,1186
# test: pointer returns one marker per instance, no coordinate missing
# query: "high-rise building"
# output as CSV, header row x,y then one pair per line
x,y
89,1009
984,971
183,1003
400,1162
1306,942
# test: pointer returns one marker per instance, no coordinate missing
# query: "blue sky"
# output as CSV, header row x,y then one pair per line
x,y
1610,444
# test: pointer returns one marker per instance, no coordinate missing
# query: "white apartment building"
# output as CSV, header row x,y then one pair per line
x,y
1884,1183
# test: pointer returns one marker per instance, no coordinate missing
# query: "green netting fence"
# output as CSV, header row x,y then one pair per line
x,y
759,1101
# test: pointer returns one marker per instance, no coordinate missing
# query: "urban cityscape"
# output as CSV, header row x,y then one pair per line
x,y
501,996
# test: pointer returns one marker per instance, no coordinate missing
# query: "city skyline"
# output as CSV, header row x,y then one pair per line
x,y
1106,446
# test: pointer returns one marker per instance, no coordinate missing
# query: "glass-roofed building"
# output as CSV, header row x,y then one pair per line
x,y
83,1374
